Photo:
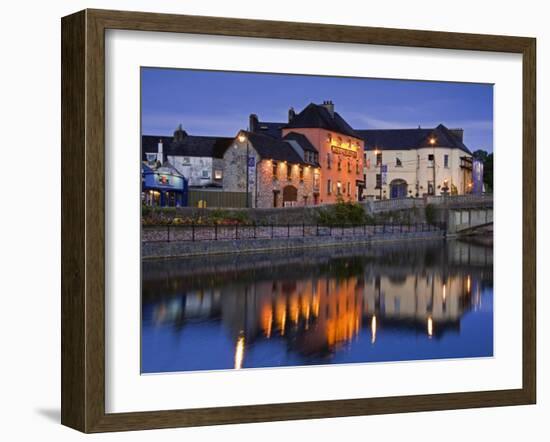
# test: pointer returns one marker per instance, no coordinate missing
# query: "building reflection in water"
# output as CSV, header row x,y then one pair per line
x,y
319,306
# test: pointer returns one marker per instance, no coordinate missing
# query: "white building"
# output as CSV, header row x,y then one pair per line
x,y
199,159
403,163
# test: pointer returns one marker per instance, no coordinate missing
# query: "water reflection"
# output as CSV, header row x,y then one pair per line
x,y
397,302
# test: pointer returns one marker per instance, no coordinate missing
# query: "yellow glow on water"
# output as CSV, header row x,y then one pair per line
x,y
294,309
468,283
267,319
444,292
373,329
315,305
430,326
280,315
239,353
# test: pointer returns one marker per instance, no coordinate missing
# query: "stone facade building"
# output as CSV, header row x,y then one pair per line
x,y
415,162
198,158
338,148
279,172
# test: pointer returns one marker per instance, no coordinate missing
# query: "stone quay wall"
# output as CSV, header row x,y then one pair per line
x,y
160,249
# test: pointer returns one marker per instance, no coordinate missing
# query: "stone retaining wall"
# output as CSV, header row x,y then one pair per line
x,y
152,250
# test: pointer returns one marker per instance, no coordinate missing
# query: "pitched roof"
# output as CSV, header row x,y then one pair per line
x,y
406,139
168,168
301,140
273,129
189,146
318,116
273,148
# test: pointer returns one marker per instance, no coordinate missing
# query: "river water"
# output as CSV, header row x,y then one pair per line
x,y
415,300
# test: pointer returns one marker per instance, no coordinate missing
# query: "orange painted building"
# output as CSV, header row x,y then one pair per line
x,y
340,149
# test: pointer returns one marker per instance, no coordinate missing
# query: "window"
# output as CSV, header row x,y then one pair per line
x,y
328,160
431,160
398,160
151,158
378,159
431,188
329,187
275,169
349,166
289,172
338,188
339,164
446,161
301,173
218,174
357,167
316,157
349,188
316,180
329,138
378,181
205,174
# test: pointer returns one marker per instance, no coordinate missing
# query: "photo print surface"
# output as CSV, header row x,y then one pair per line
x,y
293,220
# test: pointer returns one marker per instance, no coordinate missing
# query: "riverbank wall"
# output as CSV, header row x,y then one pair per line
x,y
159,250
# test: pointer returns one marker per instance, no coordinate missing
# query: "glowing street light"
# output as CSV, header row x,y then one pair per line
x,y
243,138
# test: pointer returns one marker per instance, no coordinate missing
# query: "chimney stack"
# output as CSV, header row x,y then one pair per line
x,y
253,123
160,154
179,134
329,105
291,114
459,133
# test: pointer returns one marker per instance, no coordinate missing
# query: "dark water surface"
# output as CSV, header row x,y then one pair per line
x,y
410,301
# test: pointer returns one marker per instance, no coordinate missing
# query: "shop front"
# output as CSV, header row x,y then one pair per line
x,y
163,187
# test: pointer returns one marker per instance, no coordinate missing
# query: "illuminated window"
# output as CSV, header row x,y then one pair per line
x,y
218,174
338,188
275,169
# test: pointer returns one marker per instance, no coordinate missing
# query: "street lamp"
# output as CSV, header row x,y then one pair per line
x,y
376,152
243,138
432,142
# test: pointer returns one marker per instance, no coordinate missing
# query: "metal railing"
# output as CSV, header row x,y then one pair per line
x,y
216,232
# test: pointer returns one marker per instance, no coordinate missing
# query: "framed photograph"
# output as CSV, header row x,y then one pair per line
x,y
267,221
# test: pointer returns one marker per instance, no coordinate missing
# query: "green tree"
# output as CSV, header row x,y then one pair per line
x,y
487,159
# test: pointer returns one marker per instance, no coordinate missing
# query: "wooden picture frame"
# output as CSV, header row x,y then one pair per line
x,y
83,220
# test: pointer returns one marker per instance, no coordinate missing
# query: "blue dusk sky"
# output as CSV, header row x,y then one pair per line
x,y
219,103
